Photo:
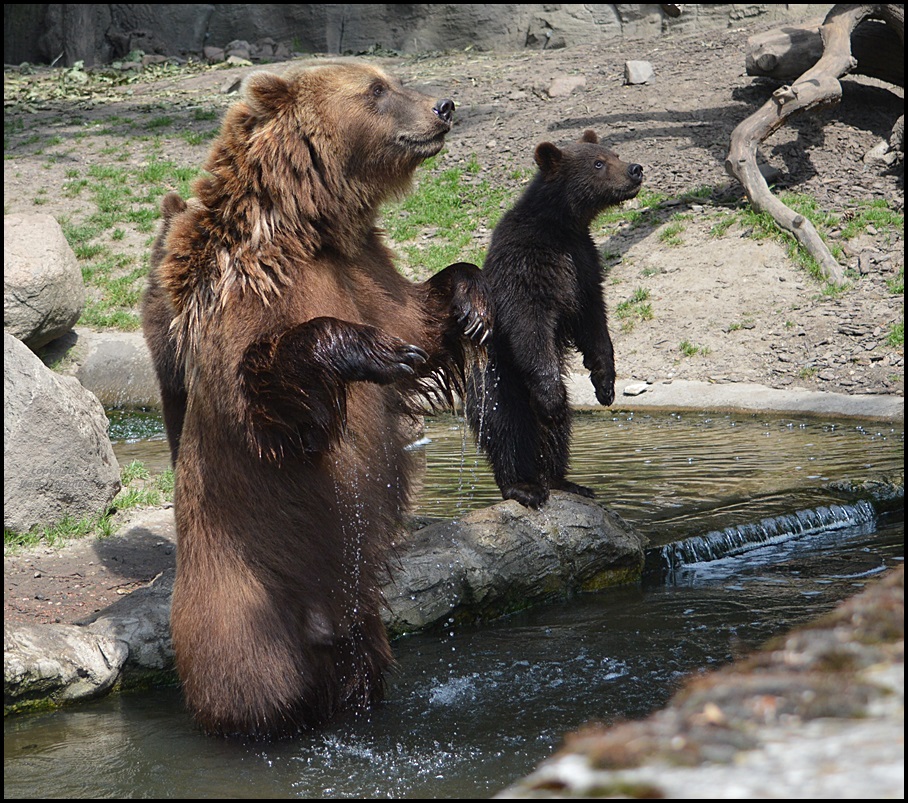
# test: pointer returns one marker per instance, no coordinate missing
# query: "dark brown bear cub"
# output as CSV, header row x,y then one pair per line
x,y
290,352
545,279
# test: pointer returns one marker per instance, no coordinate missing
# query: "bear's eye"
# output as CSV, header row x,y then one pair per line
x,y
599,164
378,90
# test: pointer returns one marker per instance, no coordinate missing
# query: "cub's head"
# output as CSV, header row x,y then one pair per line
x,y
347,123
588,175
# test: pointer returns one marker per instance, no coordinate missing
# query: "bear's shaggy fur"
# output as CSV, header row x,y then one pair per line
x,y
545,279
290,352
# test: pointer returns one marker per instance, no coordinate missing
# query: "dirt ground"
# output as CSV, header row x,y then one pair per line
x,y
745,310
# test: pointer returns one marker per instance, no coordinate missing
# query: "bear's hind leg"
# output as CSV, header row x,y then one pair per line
x,y
558,445
508,433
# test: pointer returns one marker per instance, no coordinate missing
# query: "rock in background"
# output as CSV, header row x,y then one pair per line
x,y
58,461
43,292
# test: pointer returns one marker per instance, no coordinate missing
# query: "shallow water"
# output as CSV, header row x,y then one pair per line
x,y
469,710
667,473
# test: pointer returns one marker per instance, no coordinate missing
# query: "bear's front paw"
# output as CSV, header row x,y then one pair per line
x,y
472,311
389,360
475,324
461,288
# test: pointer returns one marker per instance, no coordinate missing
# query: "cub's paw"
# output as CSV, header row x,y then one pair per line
x,y
528,494
604,385
462,288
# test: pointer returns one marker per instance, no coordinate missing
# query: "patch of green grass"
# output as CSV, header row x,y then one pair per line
x,y
640,212
874,213
65,530
746,323
158,122
896,336
124,198
139,489
760,225
199,137
670,233
896,284
636,308
688,349
438,222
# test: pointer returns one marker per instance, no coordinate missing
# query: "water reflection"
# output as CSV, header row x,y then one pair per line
x,y
661,471
664,472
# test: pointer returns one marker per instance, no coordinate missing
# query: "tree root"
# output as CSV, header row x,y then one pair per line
x,y
817,87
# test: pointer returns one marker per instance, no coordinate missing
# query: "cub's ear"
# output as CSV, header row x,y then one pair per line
x,y
589,136
265,93
547,156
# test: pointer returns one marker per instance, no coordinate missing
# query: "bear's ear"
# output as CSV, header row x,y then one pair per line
x,y
265,93
547,156
589,136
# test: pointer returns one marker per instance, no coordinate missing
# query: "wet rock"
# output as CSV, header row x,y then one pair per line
x,y
506,557
59,663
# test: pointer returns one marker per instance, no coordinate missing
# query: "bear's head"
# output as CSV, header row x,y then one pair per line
x,y
587,176
318,149
351,122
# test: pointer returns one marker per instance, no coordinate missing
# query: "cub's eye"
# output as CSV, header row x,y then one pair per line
x,y
598,164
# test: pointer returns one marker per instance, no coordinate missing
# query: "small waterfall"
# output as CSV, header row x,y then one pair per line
x,y
741,538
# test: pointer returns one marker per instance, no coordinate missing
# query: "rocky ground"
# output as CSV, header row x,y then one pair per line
x,y
746,311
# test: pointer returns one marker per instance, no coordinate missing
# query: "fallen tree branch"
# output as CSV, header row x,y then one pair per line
x,y
817,87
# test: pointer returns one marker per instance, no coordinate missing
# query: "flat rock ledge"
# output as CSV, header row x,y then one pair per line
x,y
489,563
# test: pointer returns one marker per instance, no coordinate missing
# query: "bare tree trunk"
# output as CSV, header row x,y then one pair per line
x,y
817,87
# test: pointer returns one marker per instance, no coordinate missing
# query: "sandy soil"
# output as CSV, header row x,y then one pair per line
x,y
747,312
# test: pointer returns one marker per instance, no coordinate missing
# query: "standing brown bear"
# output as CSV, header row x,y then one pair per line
x,y
545,279
290,352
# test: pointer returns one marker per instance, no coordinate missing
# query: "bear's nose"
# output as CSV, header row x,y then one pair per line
x,y
445,109
635,172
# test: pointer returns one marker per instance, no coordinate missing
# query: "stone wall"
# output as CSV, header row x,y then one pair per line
x,y
62,34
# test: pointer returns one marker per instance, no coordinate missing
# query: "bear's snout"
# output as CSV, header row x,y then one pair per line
x,y
635,172
445,110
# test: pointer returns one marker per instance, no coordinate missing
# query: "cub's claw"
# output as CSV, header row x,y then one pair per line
x,y
474,326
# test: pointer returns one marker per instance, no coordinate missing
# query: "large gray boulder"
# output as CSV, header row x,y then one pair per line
x,y
58,461
43,292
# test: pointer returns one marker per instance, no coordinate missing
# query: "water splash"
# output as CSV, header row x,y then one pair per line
x,y
742,538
